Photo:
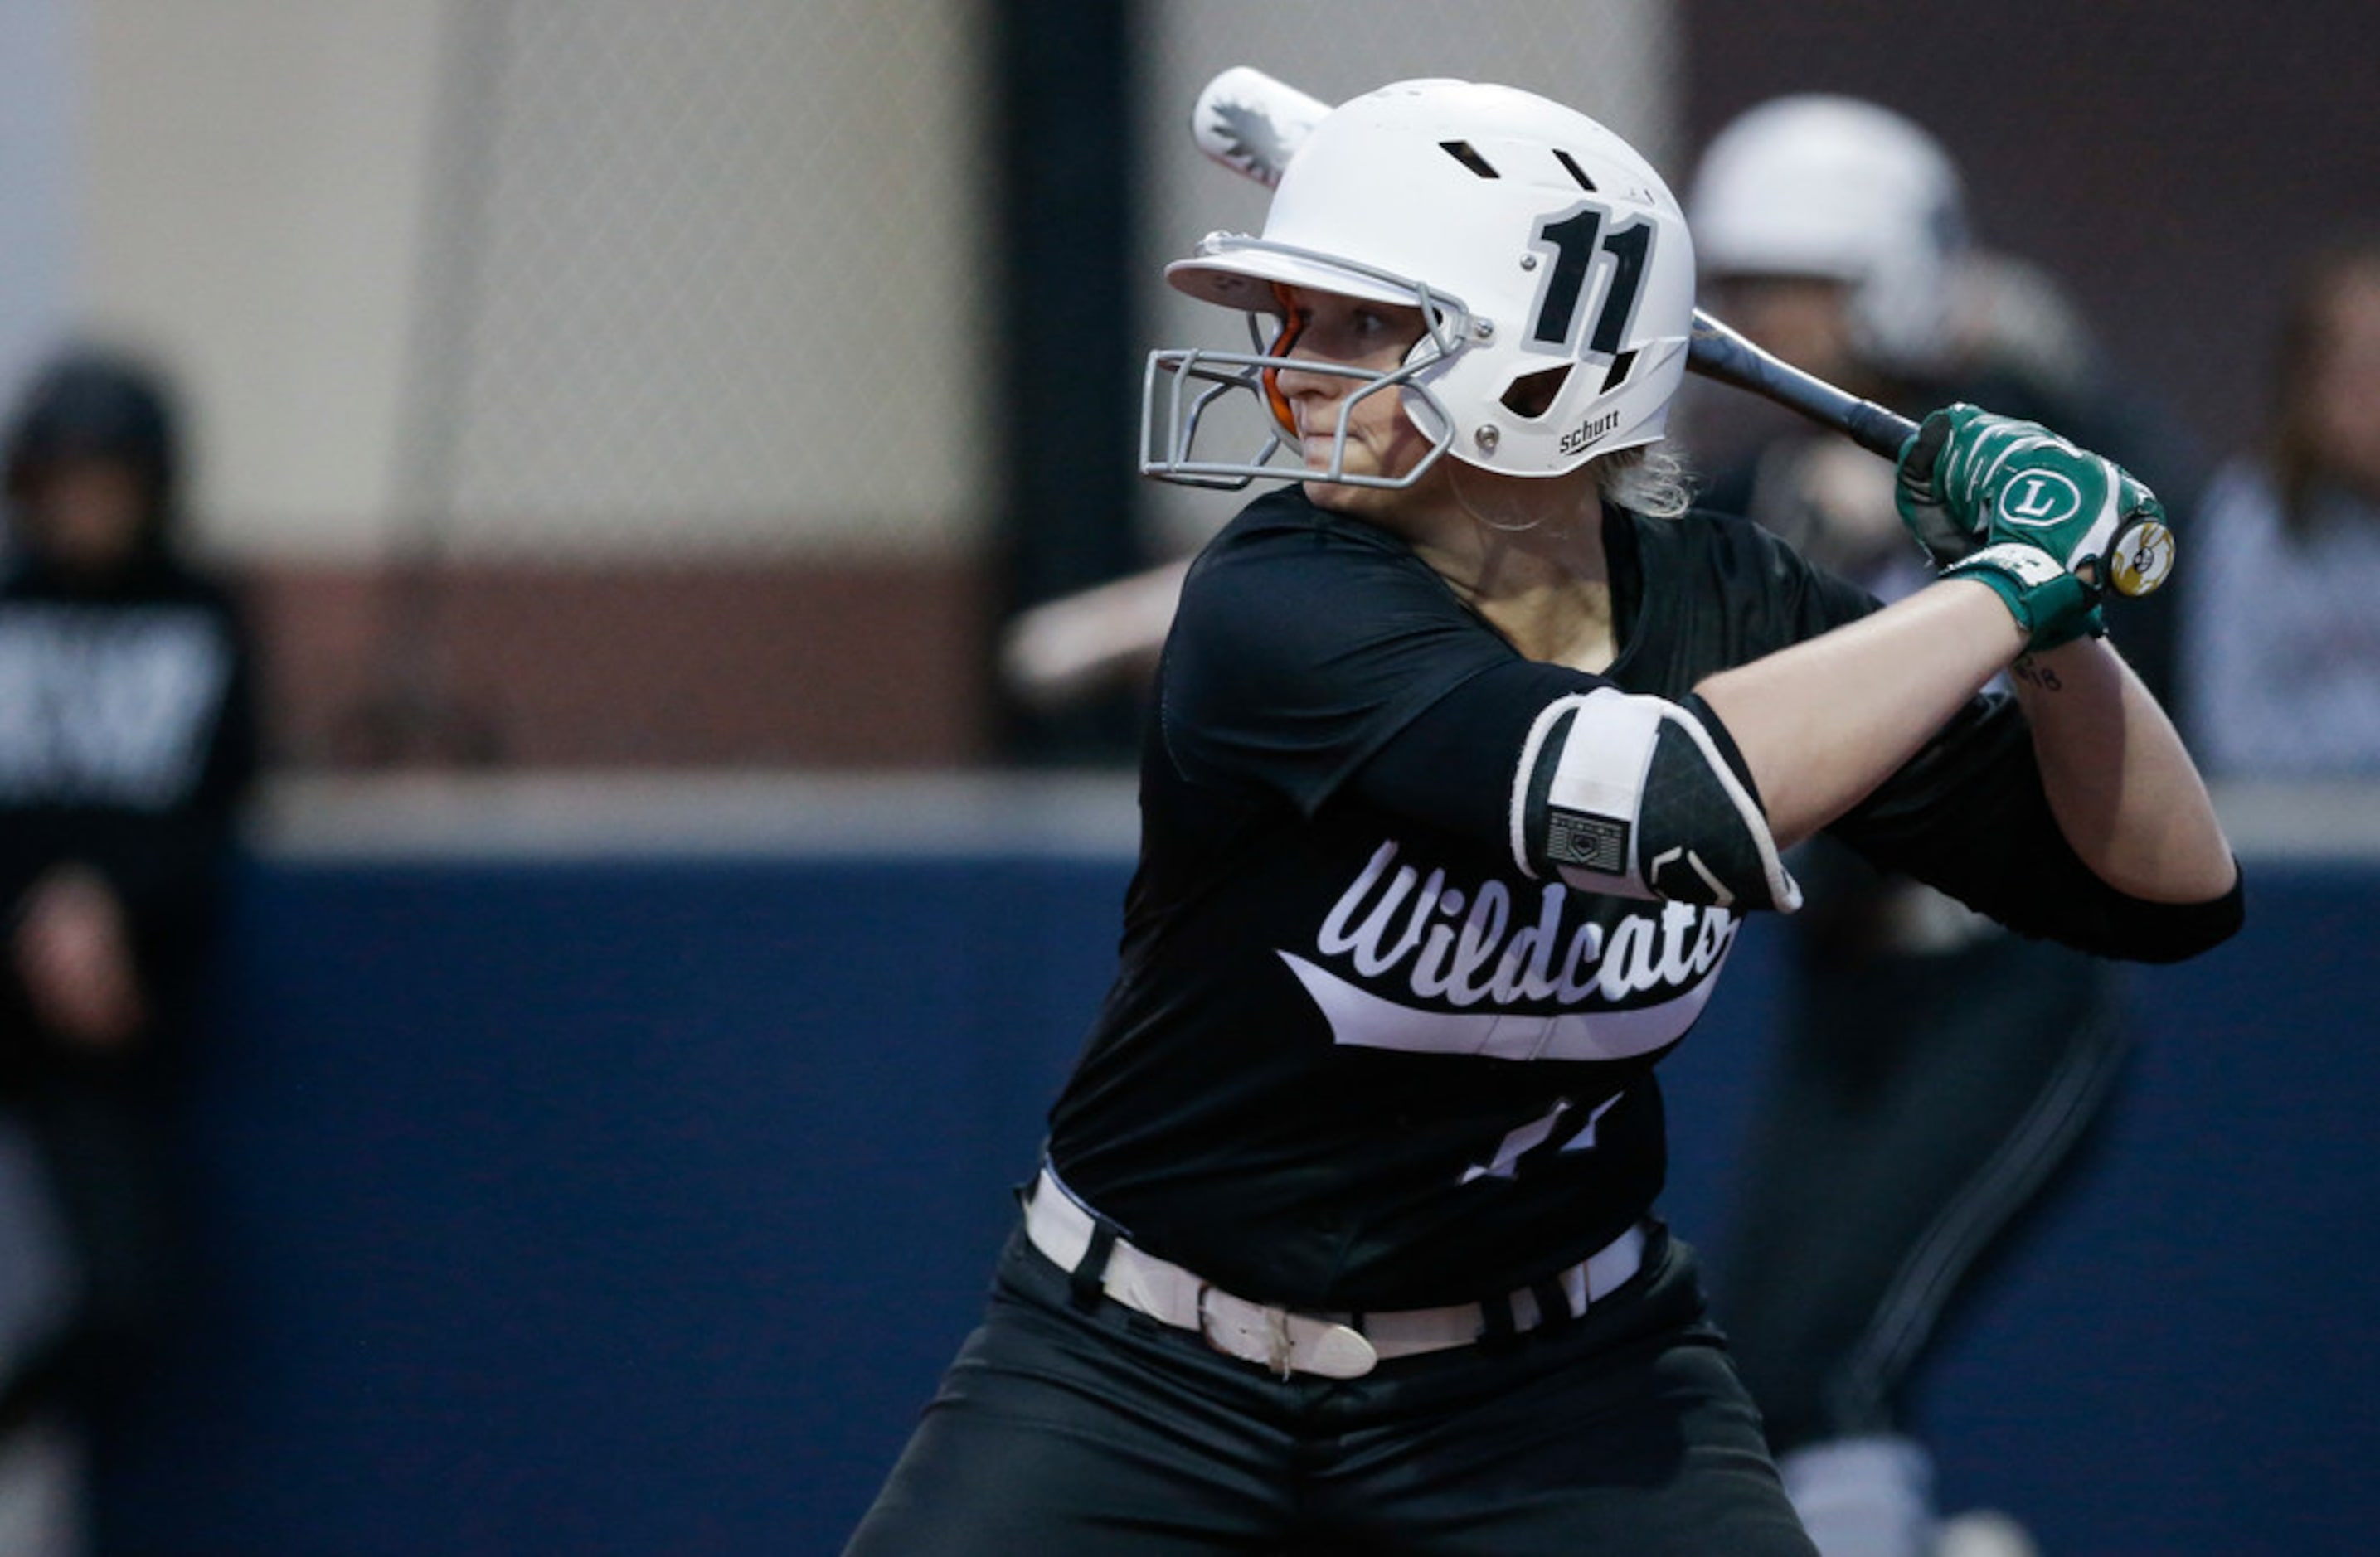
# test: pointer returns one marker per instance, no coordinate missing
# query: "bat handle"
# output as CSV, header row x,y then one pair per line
x,y
1717,352
2139,558
1876,429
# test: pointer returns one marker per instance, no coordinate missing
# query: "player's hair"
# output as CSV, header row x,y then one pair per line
x,y
1648,479
2294,449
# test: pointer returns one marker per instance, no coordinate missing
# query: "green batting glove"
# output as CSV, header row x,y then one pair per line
x,y
1948,534
1969,480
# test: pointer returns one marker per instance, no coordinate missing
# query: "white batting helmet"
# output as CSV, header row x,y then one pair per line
x,y
1550,258
1816,185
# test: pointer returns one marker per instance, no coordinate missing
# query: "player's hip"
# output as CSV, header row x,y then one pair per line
x,y
1654,1318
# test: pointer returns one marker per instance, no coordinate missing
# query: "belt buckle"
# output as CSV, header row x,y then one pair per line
x,y
1276,1352
1280,1352
1335,1351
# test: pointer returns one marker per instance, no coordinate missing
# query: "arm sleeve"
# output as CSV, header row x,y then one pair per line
x,y
1307,658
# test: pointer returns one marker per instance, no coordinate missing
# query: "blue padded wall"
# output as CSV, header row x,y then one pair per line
x,y
633,1206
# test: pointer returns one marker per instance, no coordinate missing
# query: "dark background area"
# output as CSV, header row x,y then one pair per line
x,y
2171,162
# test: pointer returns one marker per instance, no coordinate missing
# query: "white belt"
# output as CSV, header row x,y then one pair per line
x,y
1288,1342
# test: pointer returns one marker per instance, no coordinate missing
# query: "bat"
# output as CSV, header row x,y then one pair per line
x,y
1251,123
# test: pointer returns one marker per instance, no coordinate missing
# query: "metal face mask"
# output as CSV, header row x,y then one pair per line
x,y
1187,383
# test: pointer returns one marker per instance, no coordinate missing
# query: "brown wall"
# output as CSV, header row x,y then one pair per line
x,y
2170,159
825,664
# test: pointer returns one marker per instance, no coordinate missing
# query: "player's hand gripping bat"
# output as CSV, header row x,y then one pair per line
x,y
1252,124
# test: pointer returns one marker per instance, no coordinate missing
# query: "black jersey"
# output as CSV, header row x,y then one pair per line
x,y
128,742
1357,1057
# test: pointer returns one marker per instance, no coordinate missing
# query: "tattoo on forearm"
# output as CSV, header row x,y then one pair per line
x,y
2034,673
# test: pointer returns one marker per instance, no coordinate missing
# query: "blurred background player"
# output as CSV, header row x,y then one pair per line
x,y
2281,652
1936,1071
127,742
1835,232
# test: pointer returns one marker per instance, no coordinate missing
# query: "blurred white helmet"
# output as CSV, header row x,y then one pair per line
x,y
1549,259
1816,185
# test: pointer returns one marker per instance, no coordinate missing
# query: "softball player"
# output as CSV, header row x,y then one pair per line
x,y
1470,750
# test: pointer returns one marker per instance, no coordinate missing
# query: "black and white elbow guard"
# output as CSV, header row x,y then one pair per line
x,y
1631,795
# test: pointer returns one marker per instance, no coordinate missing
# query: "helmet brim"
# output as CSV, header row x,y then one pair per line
x,y
1245,279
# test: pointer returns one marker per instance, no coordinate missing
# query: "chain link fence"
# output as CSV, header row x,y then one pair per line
x,y
694,381
701,275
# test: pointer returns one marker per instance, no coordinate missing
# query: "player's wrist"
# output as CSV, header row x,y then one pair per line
x,y
2050,605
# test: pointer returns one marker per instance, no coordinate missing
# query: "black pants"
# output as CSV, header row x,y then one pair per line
x,y
1061,1432
1921,1108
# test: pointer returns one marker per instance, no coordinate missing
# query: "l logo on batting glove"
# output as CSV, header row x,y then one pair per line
x,y
2039,499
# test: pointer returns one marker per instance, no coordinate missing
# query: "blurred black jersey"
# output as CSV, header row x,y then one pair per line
x,y
127,744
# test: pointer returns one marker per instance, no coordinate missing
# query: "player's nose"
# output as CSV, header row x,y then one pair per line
x,y
1297,381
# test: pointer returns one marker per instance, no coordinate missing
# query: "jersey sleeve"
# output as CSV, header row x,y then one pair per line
x,y
1300,650
1969,816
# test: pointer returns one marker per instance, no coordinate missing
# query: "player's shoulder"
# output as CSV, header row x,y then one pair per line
x,y
1291,595
1716,540
1705,572
151,583
1281,547
1283,522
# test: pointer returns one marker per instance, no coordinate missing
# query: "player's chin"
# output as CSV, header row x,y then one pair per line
x,y
1377,502
1341,497
1331,495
